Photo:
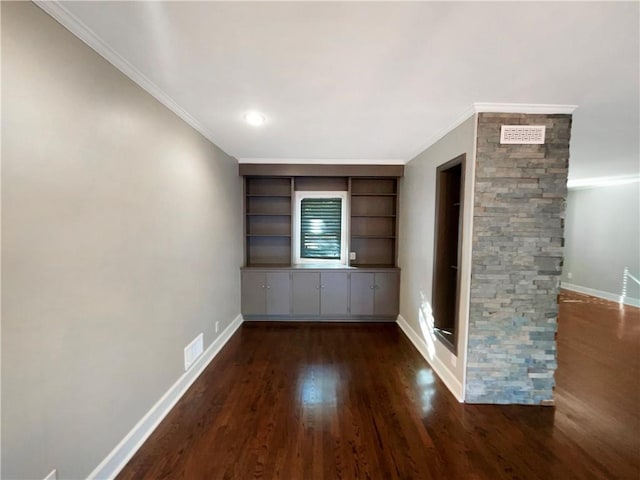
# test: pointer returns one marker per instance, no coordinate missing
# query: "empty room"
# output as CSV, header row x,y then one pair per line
x,y
320,240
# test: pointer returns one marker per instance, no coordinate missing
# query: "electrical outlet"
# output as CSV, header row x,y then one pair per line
x,y
217,327
569,275
53,475
352,255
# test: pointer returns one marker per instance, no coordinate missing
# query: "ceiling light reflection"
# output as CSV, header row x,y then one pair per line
x,y
255,119
318,385
425,381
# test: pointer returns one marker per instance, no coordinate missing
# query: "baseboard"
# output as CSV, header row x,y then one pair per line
x,y
452,383
129,445
633,302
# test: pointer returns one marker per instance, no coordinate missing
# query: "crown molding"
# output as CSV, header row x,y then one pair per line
x,y
487,107
599,182
468,113
63,16
320,161
529,108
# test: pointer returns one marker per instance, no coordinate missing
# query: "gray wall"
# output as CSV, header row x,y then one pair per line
x,y
121,241
602,238
416,236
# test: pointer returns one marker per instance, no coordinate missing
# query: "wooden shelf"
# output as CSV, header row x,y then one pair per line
x,y
268,214
373,194
266,195
268,218
268,250
268,221
268,265
374,209
267,235
374,251
268,186
373,205
374,186
371,265
268,205
373,236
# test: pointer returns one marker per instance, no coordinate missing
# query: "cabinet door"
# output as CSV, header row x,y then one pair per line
x,y
386,301
306,293
253,293
278,289
334,293
362,293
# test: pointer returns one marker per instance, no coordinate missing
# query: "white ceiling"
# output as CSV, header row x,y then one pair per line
x,y
377,81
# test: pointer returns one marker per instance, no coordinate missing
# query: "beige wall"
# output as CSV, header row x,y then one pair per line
x,y
121,241
417,221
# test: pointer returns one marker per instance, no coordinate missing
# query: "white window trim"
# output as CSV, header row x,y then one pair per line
x,y
344,245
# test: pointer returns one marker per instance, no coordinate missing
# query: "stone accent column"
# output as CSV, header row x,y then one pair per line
x,y
518,228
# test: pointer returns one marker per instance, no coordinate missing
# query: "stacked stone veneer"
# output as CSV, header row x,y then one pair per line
x,y
518,224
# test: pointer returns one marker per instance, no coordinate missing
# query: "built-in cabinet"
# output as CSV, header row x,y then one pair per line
x,y
298,294
266,292
374,293
320,293
367,288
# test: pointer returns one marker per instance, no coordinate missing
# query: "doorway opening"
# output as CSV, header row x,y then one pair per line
x,y
448,250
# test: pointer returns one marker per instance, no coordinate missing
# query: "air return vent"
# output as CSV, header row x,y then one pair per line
x,y
522,134
193,351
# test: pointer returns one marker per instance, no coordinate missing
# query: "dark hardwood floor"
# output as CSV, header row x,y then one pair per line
x,y
345,401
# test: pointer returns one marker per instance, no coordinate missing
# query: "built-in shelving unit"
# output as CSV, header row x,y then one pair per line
x,y
268,221
374,210
274,288
373,207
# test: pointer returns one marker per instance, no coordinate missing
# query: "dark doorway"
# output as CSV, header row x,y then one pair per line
x,y
448,236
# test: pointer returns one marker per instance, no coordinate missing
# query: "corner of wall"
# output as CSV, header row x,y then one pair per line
x,y
441,369
417,230
116,460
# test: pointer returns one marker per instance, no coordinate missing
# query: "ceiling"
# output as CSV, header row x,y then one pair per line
x,y
377,81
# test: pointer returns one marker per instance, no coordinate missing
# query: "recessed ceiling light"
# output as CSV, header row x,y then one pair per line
x,y
255,119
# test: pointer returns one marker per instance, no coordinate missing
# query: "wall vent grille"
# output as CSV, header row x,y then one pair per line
x,y
522,134
193,351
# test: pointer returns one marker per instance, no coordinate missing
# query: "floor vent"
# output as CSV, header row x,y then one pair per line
x,y
522,134
193,351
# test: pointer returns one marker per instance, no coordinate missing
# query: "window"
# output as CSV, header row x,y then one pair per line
x,y
320,227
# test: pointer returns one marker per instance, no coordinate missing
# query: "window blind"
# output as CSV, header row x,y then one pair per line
x,y
320,228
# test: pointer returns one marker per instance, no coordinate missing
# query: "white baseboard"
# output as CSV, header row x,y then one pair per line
x,y
452,383
634,302
129,445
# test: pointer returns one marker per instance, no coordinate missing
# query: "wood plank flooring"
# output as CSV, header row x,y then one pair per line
x,y
345,401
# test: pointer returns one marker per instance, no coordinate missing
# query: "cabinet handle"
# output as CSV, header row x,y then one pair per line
x,y
371,287
262,286
268,287
321,286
